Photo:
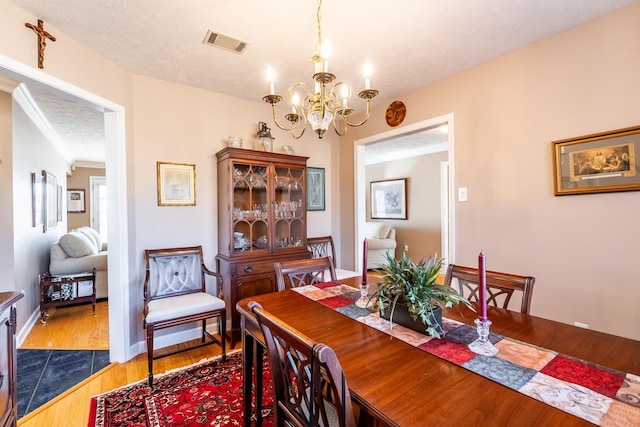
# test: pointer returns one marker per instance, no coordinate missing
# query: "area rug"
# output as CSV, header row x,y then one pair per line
x,y
208,393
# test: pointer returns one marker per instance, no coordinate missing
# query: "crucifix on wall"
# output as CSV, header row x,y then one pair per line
x,y
42,40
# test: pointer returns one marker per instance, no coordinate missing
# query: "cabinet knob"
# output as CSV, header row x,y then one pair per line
x,y
248,269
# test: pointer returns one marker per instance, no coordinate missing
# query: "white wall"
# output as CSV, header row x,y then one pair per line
x,y
6,194
33,153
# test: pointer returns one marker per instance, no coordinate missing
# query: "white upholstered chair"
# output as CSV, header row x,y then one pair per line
x,y
175,293
381,239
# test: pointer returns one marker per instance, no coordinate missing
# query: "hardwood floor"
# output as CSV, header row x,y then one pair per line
x,y
71,409
72,328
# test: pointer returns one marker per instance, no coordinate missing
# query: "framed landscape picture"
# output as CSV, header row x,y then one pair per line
x,y
389,199
597,163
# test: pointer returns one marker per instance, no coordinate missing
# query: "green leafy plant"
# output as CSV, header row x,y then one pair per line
x,y
414,284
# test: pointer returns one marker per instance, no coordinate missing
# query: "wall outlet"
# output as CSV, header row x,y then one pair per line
x,y
406,248
581,325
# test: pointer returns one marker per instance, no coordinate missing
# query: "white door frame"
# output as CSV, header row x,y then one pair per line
x,y
116,173
448,243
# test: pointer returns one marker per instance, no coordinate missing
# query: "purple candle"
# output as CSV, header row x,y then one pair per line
x,y
365,249
482,286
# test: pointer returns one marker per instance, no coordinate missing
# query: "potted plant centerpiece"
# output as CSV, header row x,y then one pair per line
x,y
409,292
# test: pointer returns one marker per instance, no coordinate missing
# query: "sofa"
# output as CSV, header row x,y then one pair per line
x,y
381,239
79,251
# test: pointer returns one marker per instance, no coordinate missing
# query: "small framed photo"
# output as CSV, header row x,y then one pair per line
x,y
75,200
389,199
315,189
597,163
176,184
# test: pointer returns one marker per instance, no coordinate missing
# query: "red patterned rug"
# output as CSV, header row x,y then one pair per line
x,y
208,393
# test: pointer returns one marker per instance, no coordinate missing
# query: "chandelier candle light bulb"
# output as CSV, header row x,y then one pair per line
x,y
271,78
367,76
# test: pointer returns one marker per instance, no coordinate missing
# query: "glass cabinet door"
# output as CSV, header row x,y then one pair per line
x,y
289,207
250,207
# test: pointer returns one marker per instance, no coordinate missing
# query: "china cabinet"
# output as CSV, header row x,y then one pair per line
x,y
261,220
8,367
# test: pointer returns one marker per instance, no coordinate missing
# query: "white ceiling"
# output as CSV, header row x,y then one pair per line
x,y
409,43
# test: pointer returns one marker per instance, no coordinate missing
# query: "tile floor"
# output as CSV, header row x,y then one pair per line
x,y
44,374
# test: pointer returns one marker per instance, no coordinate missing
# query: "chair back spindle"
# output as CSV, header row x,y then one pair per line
x,y
500,286
302,272
309,383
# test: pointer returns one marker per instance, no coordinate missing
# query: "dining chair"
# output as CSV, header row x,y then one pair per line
x,y
302,272
309,384
175,293
500,286
321,247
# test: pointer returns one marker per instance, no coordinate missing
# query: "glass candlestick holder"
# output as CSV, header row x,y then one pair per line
x,y
363,301
482,345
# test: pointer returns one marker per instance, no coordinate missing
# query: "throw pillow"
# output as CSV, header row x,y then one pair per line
x,y
376,230
76,244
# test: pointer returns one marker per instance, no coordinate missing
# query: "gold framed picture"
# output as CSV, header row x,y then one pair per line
x,y
598,163
176,184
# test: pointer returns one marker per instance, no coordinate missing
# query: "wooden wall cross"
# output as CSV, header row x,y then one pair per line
x,y
42,40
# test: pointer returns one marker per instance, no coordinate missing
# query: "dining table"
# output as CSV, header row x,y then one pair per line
x,y
399,384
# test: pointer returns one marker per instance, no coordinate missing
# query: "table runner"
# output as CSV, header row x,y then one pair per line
x,y
597,394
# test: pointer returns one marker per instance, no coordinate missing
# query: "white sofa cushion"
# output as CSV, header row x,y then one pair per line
x,y
76,244
182,305
93,235
376,230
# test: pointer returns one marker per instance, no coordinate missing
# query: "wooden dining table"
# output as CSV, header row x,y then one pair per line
x,y
402,385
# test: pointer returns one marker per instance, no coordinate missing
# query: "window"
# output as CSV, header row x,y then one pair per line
x,y
99,205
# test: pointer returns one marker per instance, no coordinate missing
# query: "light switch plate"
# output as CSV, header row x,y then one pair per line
x,y
462,194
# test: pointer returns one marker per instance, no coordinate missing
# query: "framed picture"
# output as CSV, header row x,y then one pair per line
x,y
176,184
315,189
389,199
59,203
37,198
599,163
75,200
50,200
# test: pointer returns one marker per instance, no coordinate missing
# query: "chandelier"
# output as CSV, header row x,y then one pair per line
x,y
322,106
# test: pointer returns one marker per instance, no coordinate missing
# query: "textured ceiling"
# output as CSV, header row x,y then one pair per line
x,y
409,43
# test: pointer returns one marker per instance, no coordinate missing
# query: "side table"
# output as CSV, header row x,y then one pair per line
x,y
60,291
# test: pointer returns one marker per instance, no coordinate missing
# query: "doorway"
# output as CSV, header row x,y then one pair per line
x,y
447,213
118,261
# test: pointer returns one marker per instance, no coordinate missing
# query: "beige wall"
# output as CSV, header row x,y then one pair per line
x,y
421,230
79,179
506,114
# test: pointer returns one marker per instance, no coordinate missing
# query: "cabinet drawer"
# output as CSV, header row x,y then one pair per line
x,y
252,268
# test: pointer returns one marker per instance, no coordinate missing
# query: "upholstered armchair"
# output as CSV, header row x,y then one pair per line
x,y
381,239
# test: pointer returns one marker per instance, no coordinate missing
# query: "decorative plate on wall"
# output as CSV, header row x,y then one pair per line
x,y
395,113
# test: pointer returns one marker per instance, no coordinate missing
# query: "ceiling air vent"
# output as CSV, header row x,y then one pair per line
x,y
225,42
